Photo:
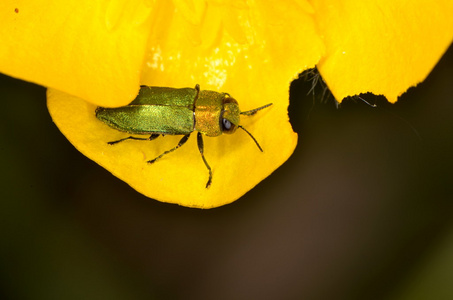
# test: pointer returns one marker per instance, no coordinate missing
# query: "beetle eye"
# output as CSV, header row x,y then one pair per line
x,y
226,124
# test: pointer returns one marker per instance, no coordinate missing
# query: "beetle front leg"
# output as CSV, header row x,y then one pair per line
x,y
181,142
151,137
201,148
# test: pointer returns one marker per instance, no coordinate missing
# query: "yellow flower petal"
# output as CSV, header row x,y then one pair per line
x,y
382,47
239,49
92,49
250,49
233,47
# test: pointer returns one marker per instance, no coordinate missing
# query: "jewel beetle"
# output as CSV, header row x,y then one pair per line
x,y
177,111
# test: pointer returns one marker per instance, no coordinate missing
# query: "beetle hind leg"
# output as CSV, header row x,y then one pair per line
x,y
151,137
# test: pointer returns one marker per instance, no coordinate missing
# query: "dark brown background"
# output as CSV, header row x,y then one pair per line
x,y
362,210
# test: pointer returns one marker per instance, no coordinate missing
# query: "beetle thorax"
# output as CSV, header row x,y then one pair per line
x,y
208,109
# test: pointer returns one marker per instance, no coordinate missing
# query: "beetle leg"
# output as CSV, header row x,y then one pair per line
x,y
201,148
151,137
181,142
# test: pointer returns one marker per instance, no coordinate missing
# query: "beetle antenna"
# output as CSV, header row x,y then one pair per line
x,y
256,142
253,111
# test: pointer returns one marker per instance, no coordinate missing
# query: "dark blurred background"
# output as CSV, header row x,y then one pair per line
x,y
362,210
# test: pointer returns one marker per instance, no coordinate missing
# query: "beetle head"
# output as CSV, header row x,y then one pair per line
x,y
230,116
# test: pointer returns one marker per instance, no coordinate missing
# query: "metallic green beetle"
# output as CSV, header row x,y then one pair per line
x,y
163,110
